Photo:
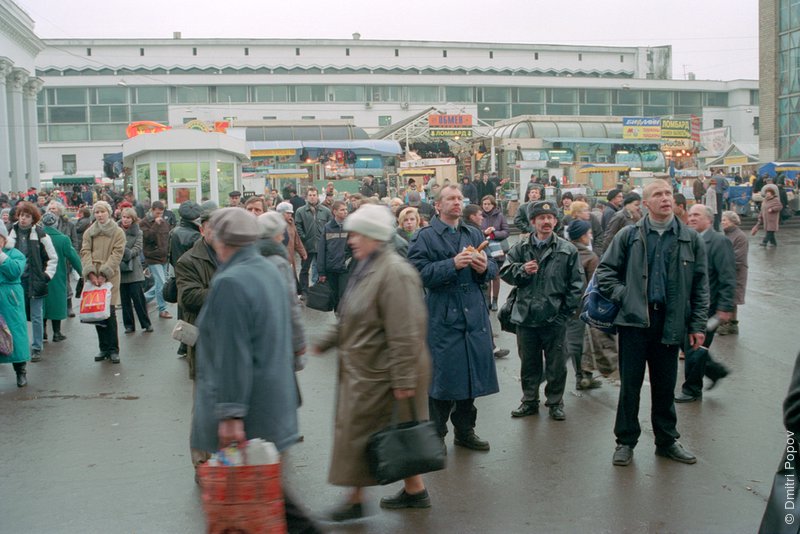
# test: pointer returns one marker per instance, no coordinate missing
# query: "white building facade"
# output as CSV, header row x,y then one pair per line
x,y
19,46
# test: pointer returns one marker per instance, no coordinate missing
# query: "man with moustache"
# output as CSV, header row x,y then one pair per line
x,y
655,271
459,332
547,272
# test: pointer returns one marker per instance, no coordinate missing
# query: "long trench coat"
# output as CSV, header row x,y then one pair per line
x,y
12,305
55,303
460,335
101,253
381,344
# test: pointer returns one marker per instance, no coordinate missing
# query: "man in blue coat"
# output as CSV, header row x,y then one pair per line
x,y
459,334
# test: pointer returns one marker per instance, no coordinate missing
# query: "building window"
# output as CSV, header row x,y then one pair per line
x,y
297,51
444,53
621,58
346,117
491,55
194,51
69,163
754,97
88,51
384,120
718,123
396,52
580,57
246,51
141,51
269,117
755,126
347,51
308,117
536,55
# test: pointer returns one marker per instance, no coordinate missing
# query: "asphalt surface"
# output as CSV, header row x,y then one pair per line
x,y
99,448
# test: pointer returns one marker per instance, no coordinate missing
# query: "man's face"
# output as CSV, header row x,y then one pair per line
x,y
287,216
698,218
451,203
634,208
52,208
534,195
617,200
544,225
566,203
340,213
158,213
235,200
41,200
659,200
256,208
312,197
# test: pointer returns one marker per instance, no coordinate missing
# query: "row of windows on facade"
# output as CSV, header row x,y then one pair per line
x,y
226,94
246,51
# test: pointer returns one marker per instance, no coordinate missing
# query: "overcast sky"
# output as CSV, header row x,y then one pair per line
x,y
715,39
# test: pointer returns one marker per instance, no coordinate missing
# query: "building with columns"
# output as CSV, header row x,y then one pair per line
x,y
19,86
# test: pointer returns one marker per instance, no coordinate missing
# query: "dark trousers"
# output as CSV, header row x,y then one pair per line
x,y
640,347
770,238
462,413
699,363
541,350
337,283
305,268
574,334
132,296
107,334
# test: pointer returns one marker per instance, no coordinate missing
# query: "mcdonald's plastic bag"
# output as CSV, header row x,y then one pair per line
x,y
95,302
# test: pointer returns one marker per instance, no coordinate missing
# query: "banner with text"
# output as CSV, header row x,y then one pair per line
x,y
641,128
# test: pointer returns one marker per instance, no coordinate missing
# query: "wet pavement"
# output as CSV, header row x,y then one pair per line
x,y
99,448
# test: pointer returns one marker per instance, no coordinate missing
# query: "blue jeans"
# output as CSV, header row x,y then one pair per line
x,y
159,273
37,321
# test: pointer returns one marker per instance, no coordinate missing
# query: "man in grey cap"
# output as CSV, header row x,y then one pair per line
x,y
245,386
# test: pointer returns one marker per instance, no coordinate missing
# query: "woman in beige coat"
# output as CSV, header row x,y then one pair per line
x,y
101,253
383,357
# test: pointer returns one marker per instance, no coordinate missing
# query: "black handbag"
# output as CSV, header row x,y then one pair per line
x,y
319,297
126,266
782,515
402,450
504,313
170,290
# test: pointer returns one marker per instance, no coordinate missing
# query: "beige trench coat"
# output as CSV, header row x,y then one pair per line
x,y
102,254
381,341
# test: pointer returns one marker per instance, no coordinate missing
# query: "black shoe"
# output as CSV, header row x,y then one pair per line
x,y
71,314
36,355
683,397
587,382
714,381
525,409
22,379
407,500
149,329
494,306
100,357
182,351
501,353
130,330
623,455
676,452
471,441
557,413
114,357
58,336
347,512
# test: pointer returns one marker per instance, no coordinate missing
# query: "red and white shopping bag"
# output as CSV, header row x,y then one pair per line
x,y
95,302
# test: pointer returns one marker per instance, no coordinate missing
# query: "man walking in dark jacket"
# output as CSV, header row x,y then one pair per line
x,y
333,254
655,271
721,291
310,219
155,231
548,275
615,198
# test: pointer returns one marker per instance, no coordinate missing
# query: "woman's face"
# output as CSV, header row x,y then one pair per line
x,y
583,214
534,195
409,224
25,219
126,221
101,216
487,205
726,223
476,218
769,195
362,246
5,217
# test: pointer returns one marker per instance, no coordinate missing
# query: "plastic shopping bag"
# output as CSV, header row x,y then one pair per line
x,y
95,302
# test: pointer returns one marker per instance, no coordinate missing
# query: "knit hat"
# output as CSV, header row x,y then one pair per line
x,y
103,205
630,197
578,228
271,223
371,220
285,207
190,210
234,227
542,207
414,199
613,194
49,219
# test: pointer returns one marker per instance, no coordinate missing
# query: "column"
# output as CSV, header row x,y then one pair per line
x,y
5,128
31,89
19,164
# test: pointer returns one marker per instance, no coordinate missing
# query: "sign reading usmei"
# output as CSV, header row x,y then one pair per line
x,y
641,128
676,129
436,120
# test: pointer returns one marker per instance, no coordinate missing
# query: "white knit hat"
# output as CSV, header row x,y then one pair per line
x,y
285,207
373,221
271,224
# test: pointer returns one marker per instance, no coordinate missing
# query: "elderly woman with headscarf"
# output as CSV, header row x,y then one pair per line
x,y
741,246
12,309
383,358
770,215
101,253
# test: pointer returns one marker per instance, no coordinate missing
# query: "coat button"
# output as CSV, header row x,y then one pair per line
x,y
466,309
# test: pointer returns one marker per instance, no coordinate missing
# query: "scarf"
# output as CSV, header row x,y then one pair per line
x,y
108,229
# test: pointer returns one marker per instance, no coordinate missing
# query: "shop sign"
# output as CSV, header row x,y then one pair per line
x,y
436,120
450,132
273,153
677,144
676,129
412,164
145,127
735,160
641,128
717,140
696,125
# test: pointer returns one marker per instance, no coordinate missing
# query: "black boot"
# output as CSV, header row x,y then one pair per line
x,y
494,304
22,374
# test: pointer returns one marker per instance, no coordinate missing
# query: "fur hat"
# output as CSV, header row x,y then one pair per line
x,y
542,207
373,221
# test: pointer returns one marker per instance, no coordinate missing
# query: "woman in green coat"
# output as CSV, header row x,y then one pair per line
x,y
12,306
55,303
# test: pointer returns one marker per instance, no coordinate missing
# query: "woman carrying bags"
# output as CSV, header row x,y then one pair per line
x,y
12,307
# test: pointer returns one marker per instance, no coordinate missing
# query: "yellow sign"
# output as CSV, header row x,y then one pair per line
x,y
273,152
450,132
735,160
676,128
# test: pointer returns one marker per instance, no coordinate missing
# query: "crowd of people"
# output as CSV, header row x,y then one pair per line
x,y
412,289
